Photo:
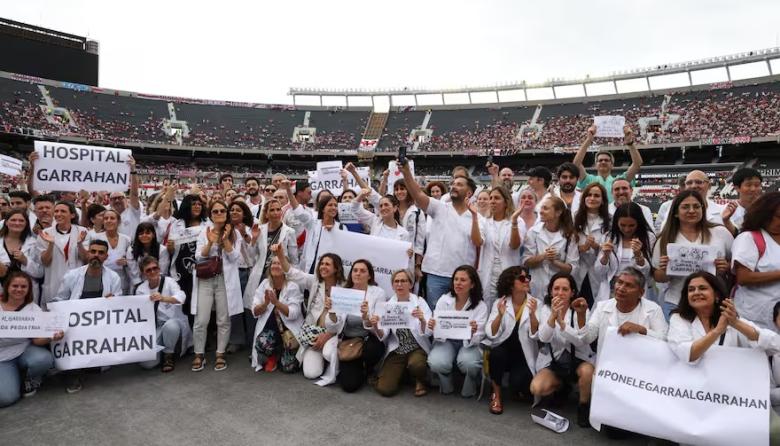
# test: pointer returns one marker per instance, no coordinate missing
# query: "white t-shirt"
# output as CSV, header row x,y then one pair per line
x,y
449,240
738,217
720,238
756,302
131,217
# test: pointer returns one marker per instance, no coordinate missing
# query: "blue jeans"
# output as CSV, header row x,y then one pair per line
x,y
35,361
168,335
444,355
435,287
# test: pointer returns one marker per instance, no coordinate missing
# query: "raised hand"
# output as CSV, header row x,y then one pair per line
x,y
501,307
580,305
728,210
211,235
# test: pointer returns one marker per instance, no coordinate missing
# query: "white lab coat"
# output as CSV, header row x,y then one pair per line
x,y
647,314
537,240
374,294
527,340
423,339
480,313
73,284
314,229
123,243
603,274
166,311
414,222
560,340
33,268
377,227
314,309
55,271
163,261
259,251
229,273
683,333
292,297
495,253
593,228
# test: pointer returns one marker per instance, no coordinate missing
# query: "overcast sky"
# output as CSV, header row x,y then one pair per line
x,y
256,50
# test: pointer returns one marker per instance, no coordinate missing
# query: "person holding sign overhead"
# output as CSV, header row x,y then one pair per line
x,y
465,296
355,364
605,161
565,359
514,350
687,226
21,357
317,344
406,348
172,325
60,248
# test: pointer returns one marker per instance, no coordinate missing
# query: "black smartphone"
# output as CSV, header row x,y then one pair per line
x,y
402,155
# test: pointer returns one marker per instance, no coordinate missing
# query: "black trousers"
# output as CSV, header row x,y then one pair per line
x,y
352,374
509,357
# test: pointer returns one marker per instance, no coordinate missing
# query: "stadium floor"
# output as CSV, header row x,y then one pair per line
x,y
127,405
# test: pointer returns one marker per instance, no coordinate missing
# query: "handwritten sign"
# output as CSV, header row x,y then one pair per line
x,y
10,166
31,324
346,214
452,324
686,259
346,300
394,315
609,126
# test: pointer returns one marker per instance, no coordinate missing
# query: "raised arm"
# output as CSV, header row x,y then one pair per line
x,y
636,158
579,158
420,199
135,202
353,170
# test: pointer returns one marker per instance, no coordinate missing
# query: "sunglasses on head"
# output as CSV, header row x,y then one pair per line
x,y
219,211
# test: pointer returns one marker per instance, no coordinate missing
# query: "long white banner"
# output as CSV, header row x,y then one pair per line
x,y
103,332
641,386
73,167
385,255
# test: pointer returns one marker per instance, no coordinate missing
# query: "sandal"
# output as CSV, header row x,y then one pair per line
x,y
168,364
220,363
496,408
420,389
198,363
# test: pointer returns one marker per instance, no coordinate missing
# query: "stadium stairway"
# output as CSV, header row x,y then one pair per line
x,y
375,126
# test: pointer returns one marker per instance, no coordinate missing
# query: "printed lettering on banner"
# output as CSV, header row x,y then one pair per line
x,y
609,126
10,166
394,315
105,331
386,255
332,182
31,324
394,174
73,167
640,385
452,324
346,214
346,300
686,259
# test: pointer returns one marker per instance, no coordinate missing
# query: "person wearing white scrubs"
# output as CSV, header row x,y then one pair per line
x,y
591,224
60,249
757,272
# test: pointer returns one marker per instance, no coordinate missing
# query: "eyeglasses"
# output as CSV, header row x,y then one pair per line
x,y
219,211
524,278
151,269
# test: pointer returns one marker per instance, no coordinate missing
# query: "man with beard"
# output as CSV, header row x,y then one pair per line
x,y
623,193
256,199
455,232
605,161
568,175
43,206
88,282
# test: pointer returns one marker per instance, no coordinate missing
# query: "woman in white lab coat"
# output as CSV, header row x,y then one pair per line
x,y
317,343
551,246
60,249
406,348
181,244
509,329
501,246
591,224
465,295
218,240
564,360
19,249
118,245
277,305
387,223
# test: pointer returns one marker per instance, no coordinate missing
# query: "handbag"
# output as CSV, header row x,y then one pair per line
x,y
351,349
309,334
288,338
209,268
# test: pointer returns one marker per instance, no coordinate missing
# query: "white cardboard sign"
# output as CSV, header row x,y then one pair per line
x,y
609,126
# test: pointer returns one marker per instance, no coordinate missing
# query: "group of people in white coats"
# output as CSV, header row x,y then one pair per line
x,y
542,272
